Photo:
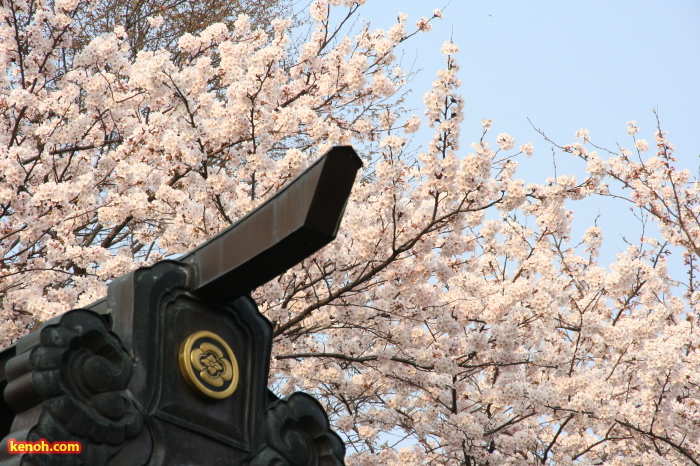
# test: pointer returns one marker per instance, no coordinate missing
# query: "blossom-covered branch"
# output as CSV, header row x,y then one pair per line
x,y
457,318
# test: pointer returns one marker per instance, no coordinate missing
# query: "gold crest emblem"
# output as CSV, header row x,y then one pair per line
x,y
208,364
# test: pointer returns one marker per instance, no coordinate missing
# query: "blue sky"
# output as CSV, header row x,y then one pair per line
x,y
565,65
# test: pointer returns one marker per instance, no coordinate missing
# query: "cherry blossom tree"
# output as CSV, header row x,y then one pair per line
x,y
154,24
455,320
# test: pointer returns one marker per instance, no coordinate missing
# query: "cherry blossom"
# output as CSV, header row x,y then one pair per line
x,y
456,319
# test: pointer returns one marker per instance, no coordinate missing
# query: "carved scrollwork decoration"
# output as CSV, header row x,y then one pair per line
x,y
298,434
78,372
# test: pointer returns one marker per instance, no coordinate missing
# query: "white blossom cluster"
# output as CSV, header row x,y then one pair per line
x,y
455,313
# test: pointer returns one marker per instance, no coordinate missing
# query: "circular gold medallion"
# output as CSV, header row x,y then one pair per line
x,y
208,364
